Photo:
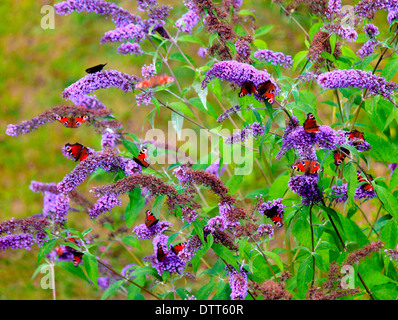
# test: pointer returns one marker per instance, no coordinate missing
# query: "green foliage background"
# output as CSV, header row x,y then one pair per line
x,y
36,65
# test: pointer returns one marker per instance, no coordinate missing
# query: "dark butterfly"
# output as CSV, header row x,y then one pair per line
x,y
154,81
367,185
275,216
77,151
143,159
77,258
161,255
96,68
162,31
178,247
150,219
355,137
247,88
310,125
307,166
267,90
339,156
71,122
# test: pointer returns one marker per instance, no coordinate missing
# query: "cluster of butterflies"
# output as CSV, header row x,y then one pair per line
x,y
265,90
151,220
310,125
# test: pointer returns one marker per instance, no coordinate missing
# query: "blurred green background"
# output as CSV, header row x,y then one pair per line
x,y
36,65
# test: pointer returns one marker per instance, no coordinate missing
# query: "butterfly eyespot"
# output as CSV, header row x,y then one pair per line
x,y
78,124
68,148
303,163
85,117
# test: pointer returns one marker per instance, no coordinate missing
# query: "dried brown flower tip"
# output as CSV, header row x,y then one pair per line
x,y
321,43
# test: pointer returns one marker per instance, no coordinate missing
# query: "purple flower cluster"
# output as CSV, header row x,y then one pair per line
x,y
202,52
148,71
190,19
238,73
340,193
253,130
228,112
238,284
368,48
171,262
265,230
371,30
104,204
110,139
346,33
144,98
392,15
16,241
143,232
119,16
89,102
105,159
393,254
189,215
130,48
132,31
243,50
100,80
215,168
306,186
27,126
275,58
333,10
295,137
357,79
61,209
367,8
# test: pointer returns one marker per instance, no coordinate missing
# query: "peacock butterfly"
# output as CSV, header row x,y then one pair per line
x,y
150,219
178,247
72,122
275,216
77,151
267,90
161,255
96,68
307,166
143,159
310,125
367,185
247,88
339,155
355,137
154,81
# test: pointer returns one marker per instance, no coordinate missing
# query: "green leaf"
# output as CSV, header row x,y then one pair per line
x,y
177,122
225,254
389,201
278,187
77,271
146,270
350,174
298,58
111,290
190,38
90,263
389,234
263,30
45,249
390,69
274,257
304,275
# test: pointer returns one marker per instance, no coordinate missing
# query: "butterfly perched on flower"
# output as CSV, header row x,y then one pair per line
x,y
247,88
143,159
355,137
96,68
275,216
71,122
161,255
307,166
154,81
150,219
339,155
310,125
267,91
367,185
77,258
77,151
178,247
